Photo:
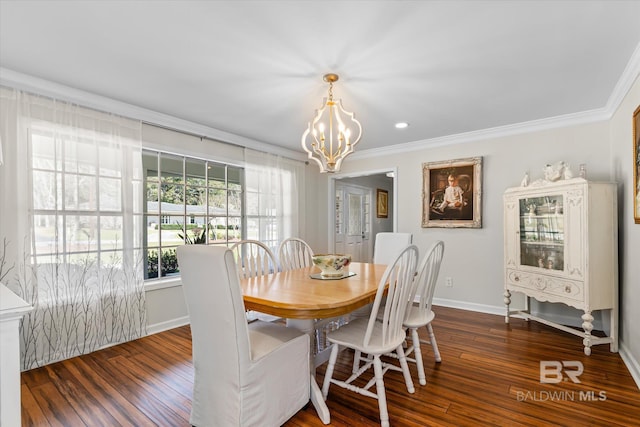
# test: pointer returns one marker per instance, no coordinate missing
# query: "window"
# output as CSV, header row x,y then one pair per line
x,y
188,201
78,198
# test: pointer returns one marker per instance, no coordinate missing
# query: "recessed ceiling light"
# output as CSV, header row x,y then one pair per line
x,y
402,125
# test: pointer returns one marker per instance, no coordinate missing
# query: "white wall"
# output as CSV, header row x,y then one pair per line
x,y
474,257
629,237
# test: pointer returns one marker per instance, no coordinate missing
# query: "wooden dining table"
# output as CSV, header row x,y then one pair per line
x,y
301,299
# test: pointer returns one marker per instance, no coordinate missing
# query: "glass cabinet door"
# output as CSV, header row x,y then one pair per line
x,y
542,232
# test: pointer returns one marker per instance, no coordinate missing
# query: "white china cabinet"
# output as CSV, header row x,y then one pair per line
x,y
561,247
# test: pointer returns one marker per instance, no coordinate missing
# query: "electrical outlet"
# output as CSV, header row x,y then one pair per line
x,y
449,282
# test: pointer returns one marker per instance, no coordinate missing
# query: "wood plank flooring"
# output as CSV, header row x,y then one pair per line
x,y
489,375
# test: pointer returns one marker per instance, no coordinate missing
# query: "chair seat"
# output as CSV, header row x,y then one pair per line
x,y
352,336
265,337
417,318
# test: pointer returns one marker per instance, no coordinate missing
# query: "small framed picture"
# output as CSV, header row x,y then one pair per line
x,y
636,166
451,193
382,203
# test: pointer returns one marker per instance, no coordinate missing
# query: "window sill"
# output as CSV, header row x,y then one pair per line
x,y
155,285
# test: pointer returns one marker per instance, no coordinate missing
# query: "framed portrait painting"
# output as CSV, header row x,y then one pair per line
x,y
382,203
636,166
451,193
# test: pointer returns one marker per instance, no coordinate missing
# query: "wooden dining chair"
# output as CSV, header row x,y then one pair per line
x,y
254,258
385,250
421,315
294,253
244,374
379,334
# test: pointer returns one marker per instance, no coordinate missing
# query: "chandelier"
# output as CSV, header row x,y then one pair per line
x,y
331,139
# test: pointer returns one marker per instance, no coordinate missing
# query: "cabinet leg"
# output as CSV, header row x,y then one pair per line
x,y
507,302
587,325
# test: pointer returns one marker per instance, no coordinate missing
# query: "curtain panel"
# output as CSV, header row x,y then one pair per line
x,y
274,206
71,225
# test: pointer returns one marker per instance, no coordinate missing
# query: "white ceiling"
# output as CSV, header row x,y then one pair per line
x,y
254,68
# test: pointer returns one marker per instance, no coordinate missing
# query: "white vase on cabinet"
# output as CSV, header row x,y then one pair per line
x,y
564,251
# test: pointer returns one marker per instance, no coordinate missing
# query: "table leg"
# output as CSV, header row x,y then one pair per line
x,y
308,327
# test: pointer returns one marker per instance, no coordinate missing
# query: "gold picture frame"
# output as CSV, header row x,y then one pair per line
x,y
451,193
636,166
382,203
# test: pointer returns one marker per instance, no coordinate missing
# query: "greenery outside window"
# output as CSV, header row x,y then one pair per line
x,y
188,201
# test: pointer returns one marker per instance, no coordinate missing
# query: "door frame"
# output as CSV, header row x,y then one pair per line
x,y
331,202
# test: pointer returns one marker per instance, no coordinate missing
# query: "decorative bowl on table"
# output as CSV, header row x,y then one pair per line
x,y
332,265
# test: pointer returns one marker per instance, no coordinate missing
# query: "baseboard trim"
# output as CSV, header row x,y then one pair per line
x,y
169,324
632,364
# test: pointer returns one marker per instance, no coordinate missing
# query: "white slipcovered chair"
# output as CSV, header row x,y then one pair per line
x,y
421,314
379,334
244,374
294,253
388,245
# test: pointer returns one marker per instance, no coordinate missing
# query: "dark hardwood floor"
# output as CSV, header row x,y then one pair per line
x,y
489,375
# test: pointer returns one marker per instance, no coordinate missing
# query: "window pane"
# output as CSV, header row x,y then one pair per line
x,y
152,230
252,207
217,175
196,200
81,233
110,161
80,192
46,240
45,189
111,232
151,270
111,260
169,261
195,170
79,157
110,194
172,195
235,228
235,202
172,225
171,169
234,177
217,201
44,152
150,166
218,226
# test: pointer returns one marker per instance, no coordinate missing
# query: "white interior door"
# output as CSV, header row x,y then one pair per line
x,y
353,222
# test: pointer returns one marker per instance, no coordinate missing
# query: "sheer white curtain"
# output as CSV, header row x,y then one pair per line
x,y
274,206
71,225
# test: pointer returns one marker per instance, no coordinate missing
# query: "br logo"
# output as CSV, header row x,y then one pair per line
x,y
551,371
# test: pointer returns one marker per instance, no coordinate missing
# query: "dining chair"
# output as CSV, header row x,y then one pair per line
x,y
388,245
379,334
244,374
254,258
294,253
421,314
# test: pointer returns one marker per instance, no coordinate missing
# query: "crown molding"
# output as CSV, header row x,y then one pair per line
x,y
629,75
490,133
61,92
